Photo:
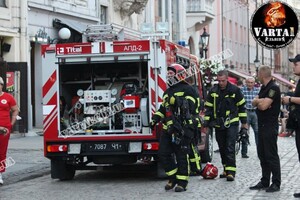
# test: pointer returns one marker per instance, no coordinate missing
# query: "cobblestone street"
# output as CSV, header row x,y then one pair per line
x,y
29,178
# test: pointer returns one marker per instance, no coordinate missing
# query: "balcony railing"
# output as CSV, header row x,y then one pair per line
x,y
199,6
199,11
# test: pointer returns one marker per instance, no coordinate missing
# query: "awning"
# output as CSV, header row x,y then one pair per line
x,y
238,74
232,80
283,80
79,27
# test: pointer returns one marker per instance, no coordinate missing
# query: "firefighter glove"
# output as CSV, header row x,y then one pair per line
x,y
152,124
243,135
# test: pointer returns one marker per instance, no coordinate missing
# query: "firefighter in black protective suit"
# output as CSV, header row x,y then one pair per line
x,y
177,113
224,107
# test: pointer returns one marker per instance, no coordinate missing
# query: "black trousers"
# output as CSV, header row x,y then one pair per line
x,y
226,139
267,151
297,137
176,170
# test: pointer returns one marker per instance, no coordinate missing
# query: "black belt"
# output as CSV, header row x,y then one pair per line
x,y
251,110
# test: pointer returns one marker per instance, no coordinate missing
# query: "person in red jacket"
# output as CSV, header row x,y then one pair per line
x,y
8,115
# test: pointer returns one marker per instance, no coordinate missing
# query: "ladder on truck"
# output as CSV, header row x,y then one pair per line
x,y
110,32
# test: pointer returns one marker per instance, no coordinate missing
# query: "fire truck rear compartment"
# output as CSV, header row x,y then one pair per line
x,y
103,86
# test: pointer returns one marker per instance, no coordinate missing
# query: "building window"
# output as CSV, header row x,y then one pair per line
x,y
3,3
103,14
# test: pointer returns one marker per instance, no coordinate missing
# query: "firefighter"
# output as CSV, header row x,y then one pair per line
x,y
176,113
224,107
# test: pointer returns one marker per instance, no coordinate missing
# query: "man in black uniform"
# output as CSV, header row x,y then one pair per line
x,y
225,106
294,106
176,112
268,108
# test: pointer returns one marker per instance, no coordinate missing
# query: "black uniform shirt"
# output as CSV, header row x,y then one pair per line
x,y
297,94
270,115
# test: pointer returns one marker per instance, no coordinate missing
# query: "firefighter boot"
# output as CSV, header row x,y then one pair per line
x,y
170,185
230,177
181,186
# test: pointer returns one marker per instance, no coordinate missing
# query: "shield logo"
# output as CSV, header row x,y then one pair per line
x,y
271,93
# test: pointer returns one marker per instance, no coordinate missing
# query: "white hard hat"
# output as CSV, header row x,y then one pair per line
x,y
1,81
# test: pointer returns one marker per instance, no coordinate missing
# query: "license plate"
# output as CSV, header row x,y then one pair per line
x,y
107,147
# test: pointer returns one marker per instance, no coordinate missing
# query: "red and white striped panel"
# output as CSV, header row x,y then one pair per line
x,y
50,95
161,89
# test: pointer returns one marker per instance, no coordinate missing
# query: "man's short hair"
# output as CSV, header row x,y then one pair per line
x,y
266,71
222,73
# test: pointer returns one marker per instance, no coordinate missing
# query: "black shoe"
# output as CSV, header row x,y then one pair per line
x,y
180,188
258,186
245,156
273,188
170,185
297,195
230,177
223,175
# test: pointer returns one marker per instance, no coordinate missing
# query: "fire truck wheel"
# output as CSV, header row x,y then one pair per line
x,y
207,154
62,171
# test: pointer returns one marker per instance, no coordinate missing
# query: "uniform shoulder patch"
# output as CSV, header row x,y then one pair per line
x,y
271,93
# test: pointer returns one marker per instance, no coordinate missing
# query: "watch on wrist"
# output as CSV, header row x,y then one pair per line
x,y
3,131
290,100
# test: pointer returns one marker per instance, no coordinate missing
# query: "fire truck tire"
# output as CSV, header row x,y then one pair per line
x,y
62,171
207,154
160,171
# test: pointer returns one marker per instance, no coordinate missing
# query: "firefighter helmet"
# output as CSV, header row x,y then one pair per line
x,y
210,171
179,70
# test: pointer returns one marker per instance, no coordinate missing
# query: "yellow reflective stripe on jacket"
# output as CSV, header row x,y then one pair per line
x,y
227,112
182,177
197,158
198,122
215,96
242,114
165,97
165,102
206,118
198,105
172,100
165,127
233,169
208,104
172,172
169,122
159,114
179,94
241,102
236,119
190,121
191,98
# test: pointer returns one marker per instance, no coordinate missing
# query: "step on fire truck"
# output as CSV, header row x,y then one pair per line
x,y
99,96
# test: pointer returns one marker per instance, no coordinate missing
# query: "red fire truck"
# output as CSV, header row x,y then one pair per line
x,y
98,99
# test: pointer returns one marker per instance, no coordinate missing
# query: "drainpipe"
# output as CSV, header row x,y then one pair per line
x,y
25,55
